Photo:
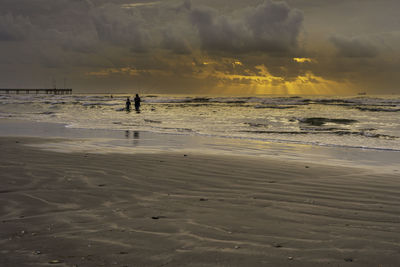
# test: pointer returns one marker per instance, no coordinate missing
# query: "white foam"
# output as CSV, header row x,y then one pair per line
x,y
228,117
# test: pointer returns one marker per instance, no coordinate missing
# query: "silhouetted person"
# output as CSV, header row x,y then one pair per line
x,y
128,104
137,103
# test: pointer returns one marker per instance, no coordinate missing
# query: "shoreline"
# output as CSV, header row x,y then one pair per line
x,y
131,142
89,209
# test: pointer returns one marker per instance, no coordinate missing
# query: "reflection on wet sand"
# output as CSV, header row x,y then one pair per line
x,y
135,138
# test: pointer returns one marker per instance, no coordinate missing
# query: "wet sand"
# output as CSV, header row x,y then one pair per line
x,y
171,209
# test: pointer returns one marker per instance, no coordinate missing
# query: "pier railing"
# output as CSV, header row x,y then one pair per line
x,y
36,90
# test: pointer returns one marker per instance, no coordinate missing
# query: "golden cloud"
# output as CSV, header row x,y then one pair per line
x,y
303,59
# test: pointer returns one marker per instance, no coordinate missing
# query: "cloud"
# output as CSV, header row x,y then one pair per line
x,y
355,47
14,28
82,25
303,60
172,40
117,26
197,44
274,25
133,5
269,27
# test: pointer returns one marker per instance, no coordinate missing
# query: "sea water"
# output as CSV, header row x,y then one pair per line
x,y
352,122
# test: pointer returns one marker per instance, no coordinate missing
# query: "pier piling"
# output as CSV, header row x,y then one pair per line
x,y
62,91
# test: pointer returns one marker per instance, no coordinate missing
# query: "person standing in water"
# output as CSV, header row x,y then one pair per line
x,y
137,103
128,104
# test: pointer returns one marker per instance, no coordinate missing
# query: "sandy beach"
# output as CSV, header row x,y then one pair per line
x,y
174,209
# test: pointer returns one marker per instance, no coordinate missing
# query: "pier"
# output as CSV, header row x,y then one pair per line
x,y
53,91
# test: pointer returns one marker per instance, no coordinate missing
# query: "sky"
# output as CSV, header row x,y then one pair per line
x,y
242,47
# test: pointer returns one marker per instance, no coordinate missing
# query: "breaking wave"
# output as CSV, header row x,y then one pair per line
x,y
345,121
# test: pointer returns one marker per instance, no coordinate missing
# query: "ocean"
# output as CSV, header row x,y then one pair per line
x,y
359,123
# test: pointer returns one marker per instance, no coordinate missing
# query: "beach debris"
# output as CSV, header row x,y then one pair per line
x,y
158,217
203,199
322,121
101,185
276,245
185,155
55,261
20,234
290,258
348,259
123,252
37,252
307,167
310,201
237,247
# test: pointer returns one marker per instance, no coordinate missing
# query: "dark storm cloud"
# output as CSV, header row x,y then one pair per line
x,y
52,23
274,25
269,27
56,34
172,40
14,28
354,47
120,27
